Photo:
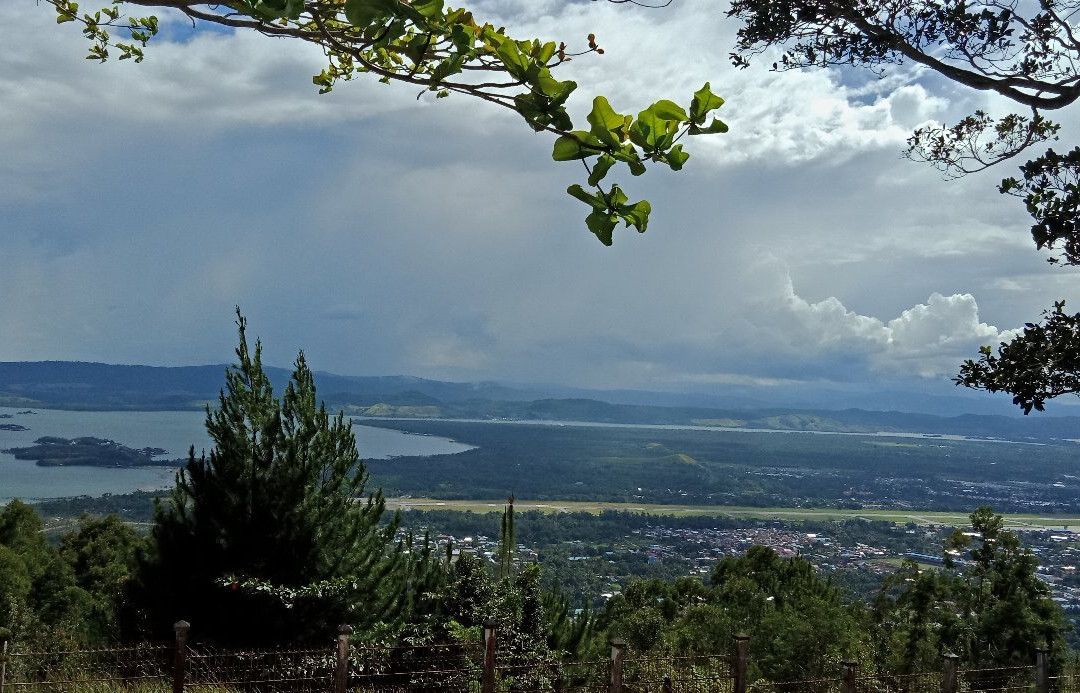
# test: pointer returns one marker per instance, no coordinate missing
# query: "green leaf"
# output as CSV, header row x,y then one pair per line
x,y
463,38
560,119
446,68
636,214
715,126
362,13
67,13
668,110
546,51
552,88
651,131
416,48
617,197
510,55
572,147
525,105
602,223
600,169
428,8
594,201
608,126
677,157
629,156
277,9
703,102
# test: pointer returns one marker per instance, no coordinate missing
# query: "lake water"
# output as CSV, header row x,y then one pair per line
x,y
174,431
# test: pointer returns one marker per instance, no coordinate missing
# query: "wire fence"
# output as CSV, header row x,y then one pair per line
x,y
141,666
401,668
1065,683
926,682
692,674
999,680
806,686
248,671
461,668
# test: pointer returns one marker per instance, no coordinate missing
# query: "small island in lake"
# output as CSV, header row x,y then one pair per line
x,y
51,451
13,427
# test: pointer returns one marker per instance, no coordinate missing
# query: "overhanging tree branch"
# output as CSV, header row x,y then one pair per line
x,y
424,43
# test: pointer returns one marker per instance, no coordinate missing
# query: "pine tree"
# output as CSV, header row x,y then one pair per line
x,y
271,537
990,608
507,541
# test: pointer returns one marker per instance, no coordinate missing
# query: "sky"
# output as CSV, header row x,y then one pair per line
x,y
385,234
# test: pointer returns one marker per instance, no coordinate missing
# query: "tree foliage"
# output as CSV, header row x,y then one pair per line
x,y
1040,363
987,606
61,597
103,554
280,500
782,604
1027,52
445,51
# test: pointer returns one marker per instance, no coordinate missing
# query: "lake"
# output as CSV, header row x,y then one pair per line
x,y
174,431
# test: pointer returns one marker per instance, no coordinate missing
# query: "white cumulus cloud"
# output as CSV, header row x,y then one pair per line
x,y
926,340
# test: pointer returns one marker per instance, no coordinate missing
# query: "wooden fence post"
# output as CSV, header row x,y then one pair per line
x,y
341,671
742,642
487,685
948,673
180,655
5,636
618,651
1042,670
850,669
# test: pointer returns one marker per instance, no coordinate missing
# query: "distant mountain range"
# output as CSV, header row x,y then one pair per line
x,y
77,385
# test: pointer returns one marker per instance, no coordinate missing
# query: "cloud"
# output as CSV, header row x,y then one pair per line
x,y
927,340
140,203
785,118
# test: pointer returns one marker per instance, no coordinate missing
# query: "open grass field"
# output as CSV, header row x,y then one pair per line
x,y
1015,521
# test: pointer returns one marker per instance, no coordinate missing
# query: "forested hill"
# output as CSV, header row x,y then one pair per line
x,y
76,385
79,385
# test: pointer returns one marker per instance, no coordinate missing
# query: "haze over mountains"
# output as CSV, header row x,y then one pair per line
x,y
77,385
